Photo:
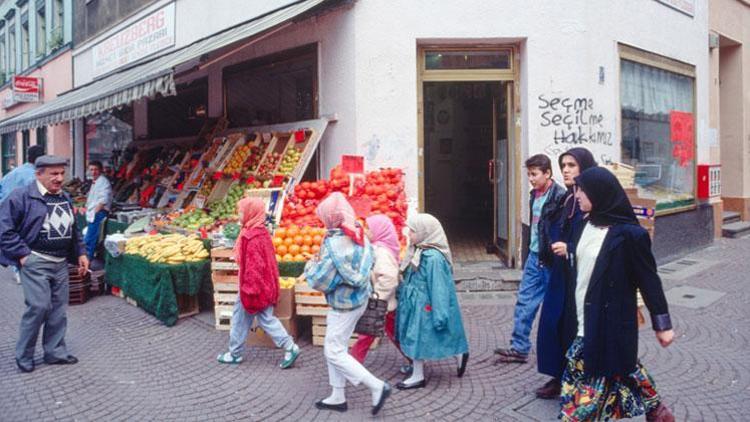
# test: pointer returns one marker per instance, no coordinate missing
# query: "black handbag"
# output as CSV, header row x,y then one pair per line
x,y
372,321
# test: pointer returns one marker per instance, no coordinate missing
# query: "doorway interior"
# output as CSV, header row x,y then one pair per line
x,y
465,165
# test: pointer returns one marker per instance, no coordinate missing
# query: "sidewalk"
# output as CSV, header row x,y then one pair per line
x,y
134,368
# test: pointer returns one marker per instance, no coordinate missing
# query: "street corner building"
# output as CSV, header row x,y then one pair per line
x,y
457,94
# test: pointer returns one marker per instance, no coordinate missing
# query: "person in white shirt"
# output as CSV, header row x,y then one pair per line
x,y
98,205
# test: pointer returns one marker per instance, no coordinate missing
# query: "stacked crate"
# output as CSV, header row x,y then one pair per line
x,y
225,279
313,303
78,287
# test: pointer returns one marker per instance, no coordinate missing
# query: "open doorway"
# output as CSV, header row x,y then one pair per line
x,y
465,163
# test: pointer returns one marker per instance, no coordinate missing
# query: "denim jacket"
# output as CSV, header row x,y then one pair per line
x,y
342,272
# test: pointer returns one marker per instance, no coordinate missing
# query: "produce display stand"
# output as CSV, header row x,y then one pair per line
x,y
184,172
167,291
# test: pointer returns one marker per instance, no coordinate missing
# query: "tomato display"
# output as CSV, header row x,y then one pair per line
x,y
378,192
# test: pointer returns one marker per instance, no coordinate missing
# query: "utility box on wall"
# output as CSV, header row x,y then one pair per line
x,y
709,180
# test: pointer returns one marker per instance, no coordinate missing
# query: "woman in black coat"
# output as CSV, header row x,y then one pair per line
x,y
554,337
603,378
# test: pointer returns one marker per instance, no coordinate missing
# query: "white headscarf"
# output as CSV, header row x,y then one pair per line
x,y
429,235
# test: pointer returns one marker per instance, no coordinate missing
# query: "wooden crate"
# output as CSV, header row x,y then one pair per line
x,y
319,332
310,302
78,287
187,306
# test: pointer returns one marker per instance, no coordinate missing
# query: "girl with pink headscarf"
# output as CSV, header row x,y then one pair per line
x,y
342,272
385,276
258,286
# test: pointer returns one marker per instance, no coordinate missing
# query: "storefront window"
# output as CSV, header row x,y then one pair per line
x,y
107,135
277,89
8,152
179,115
658,136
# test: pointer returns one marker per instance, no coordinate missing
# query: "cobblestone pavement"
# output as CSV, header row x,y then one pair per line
x,y
133,368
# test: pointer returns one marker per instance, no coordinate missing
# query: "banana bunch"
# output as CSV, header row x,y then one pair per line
x,y
169,249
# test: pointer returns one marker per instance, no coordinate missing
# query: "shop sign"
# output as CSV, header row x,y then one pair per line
x,y
149,35
685,6
24,89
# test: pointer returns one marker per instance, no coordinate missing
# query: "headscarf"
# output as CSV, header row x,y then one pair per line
x,y
585,160
609,203
383,233
429,235
253,212
336,213
583,157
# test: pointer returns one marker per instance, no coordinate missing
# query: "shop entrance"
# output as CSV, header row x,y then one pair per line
x,y
466,179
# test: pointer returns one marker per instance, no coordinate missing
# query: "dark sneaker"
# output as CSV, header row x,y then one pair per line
x,y
511,355
550,390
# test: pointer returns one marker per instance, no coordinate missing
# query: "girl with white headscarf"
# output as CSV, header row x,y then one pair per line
x,y
429,324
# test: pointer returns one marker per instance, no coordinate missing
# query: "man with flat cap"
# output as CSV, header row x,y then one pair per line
x,y
38,235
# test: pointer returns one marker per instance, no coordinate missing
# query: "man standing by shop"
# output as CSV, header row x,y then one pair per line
x,y
98,204
18,178
38,234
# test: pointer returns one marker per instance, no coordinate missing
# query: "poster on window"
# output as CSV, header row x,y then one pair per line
x,y
682,133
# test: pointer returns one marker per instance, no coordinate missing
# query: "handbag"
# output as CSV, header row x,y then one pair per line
x,y
372,321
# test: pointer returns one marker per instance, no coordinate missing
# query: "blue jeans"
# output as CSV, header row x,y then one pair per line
x,y
92,233
243,321
530,294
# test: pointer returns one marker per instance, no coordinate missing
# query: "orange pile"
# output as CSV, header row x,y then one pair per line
x,y
296,244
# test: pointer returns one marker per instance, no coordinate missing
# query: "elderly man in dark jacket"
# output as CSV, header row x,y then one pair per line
x,y
38,235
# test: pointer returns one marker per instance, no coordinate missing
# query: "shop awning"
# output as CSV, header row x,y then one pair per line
x,y
155,76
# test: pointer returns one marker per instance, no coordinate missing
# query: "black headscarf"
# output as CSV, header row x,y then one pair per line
x,y
583,157
609,203
585,160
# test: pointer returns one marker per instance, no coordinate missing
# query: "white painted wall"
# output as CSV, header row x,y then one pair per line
x,y
565,43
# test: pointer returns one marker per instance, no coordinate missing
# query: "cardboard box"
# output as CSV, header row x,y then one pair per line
x,y
258,338
285,307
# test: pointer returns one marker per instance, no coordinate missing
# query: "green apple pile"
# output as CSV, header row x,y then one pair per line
x,y
290,161
226,209
193,220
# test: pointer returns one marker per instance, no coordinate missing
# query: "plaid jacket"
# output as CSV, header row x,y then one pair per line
x,y
342,271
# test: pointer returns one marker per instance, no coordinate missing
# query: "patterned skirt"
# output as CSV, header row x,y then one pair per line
x,y
592,399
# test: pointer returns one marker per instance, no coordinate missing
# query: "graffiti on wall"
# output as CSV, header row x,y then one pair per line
x,y
574,121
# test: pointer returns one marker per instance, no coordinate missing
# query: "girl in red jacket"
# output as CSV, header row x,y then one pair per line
x,y
259,286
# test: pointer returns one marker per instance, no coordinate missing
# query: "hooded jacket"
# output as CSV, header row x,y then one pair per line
x,y
259,272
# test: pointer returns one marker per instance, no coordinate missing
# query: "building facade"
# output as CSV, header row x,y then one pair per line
x,y
457,95
35,66
730,101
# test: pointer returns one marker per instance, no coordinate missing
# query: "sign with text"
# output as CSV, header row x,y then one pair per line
x,y
147,36
685,6
24,89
